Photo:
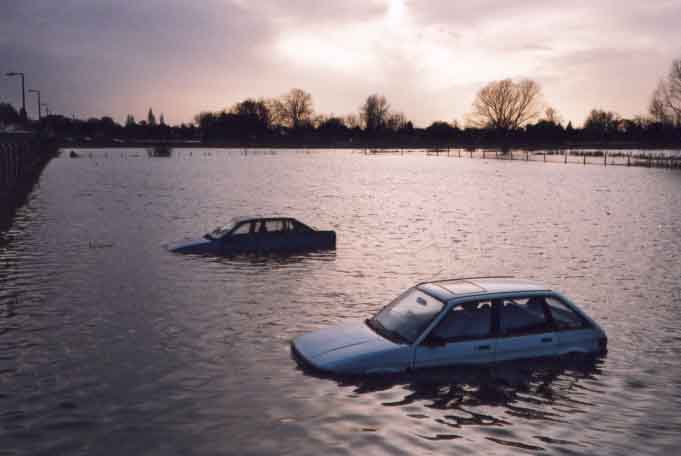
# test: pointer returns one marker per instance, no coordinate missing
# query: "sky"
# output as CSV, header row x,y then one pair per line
x,y
92,58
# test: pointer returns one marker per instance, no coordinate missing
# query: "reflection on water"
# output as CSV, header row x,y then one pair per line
x,y
452,399
111,344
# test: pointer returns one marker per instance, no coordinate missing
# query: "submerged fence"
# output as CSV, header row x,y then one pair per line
x,y
666,158
20,155
22,159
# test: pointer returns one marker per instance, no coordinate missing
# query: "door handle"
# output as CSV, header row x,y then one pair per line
x,y
547,339
484,347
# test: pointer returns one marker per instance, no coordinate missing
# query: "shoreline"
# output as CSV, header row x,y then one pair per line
x,y
557,148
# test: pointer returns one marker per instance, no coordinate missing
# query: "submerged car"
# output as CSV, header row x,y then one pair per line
x,y
259,234
455,322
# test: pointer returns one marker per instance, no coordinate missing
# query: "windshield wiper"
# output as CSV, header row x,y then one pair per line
x,y
385,332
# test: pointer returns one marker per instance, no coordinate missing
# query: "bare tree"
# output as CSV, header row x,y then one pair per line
x,y
658,104
551,115
396,121
374,112
352,121
602,122
674,89
665,103
294,109
255,110
506,105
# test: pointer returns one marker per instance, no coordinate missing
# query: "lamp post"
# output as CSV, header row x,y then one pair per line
x,y
38,93
23,91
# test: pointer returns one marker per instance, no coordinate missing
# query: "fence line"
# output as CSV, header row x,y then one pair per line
x,y
669,159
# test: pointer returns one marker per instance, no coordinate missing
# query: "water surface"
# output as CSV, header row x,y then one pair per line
x,y
110,344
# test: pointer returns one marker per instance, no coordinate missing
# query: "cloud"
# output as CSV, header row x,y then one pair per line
x,y
588,54
109,57
429,57
302,13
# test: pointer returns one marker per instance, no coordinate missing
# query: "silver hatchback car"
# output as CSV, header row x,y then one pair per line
x,y
455,322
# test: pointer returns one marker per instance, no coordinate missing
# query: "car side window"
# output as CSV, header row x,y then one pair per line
x,y
564,317
274,226
520,316
244,228
467,321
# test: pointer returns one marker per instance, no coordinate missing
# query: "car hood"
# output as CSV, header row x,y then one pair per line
x,y
196,245
346,339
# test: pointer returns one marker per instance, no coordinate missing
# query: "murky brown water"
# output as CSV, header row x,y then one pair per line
x,y
111,345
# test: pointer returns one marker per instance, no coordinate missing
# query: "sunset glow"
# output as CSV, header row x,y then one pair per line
x,y
428,58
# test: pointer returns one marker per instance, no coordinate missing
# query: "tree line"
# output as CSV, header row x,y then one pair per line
x,y
504,113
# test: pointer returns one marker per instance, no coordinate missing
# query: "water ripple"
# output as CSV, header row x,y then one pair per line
x,y
110,344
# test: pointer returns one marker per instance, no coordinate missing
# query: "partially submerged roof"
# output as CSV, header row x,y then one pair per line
x,y
457,288
252,218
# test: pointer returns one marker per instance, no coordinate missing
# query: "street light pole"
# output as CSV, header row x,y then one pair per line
x,y
38,93
23,91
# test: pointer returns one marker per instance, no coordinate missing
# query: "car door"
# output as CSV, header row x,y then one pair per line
x,y
524,329
242,238
291,239
271,235
463,336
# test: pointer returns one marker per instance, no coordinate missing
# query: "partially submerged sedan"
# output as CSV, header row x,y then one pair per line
x,y
455,322
259,234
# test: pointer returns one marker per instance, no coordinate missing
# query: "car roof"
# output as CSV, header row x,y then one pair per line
x,y
256,218
458,288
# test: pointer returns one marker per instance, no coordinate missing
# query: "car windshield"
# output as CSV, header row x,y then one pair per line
x,y
407,316
220,231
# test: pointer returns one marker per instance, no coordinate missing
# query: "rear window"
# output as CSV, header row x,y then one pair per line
x,y
300,227
563,316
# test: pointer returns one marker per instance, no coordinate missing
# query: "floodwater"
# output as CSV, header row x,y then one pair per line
x,y
109,344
